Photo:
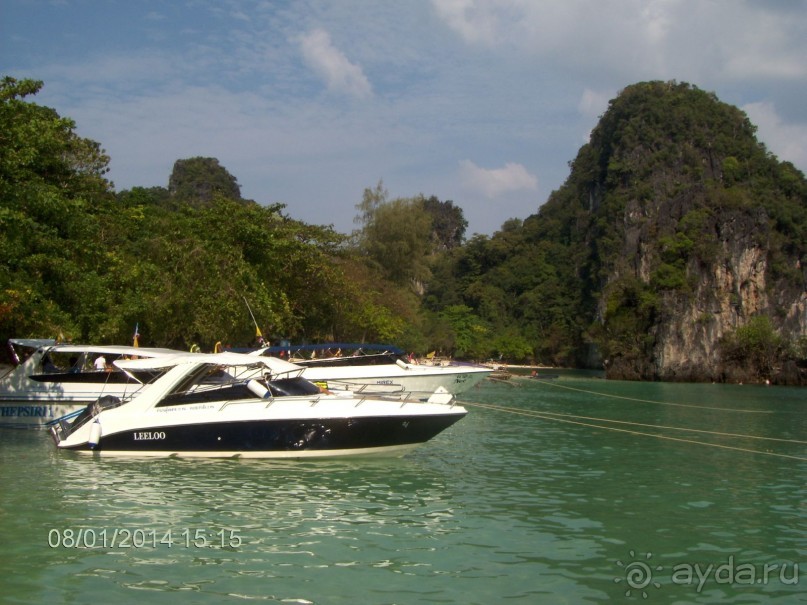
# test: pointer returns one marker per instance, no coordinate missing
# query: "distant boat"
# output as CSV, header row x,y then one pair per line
x,y
535,375
239,405
499,371
51,380
377,368
501,375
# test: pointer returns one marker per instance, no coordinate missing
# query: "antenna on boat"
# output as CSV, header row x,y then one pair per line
x,y
258,334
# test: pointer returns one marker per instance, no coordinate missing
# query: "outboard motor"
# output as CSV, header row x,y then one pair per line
x,y
107,402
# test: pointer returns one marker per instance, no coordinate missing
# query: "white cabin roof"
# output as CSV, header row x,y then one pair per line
x,y
112,350
32,343
277,366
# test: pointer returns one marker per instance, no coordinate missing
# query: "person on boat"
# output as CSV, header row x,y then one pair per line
x,y
48,365
100,363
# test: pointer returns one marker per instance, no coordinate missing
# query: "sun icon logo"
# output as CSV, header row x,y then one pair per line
x,y
638,574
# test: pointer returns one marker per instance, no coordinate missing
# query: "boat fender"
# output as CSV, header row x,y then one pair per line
x,y
402,364
95,435
257,388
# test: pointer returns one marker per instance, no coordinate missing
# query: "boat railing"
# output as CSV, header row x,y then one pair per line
x,y
362,388
270,400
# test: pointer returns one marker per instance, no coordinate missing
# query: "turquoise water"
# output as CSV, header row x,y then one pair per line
x,y
507,506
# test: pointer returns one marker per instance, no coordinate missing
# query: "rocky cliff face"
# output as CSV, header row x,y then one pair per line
x,y
727,290
696,230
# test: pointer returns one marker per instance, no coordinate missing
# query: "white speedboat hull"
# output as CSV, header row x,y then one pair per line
x,y
284,437
36,415
410,378
200,408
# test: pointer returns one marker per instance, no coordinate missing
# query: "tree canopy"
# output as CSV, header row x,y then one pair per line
x,y
200,180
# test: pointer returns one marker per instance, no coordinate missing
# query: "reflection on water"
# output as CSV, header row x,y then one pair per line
x,y
499,508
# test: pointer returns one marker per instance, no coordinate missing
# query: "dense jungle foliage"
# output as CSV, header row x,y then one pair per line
x,y
185,264
83,262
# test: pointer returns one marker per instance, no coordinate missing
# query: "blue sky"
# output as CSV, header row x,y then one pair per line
x,y
483,102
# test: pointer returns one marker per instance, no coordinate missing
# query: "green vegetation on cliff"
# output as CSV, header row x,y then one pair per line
x,y
674,228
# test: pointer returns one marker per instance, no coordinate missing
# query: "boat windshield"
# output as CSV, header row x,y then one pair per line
x,y
57,366
292,386
19,350
212,383
60,362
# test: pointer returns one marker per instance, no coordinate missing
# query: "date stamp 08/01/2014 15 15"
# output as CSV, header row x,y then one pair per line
x,y
142,537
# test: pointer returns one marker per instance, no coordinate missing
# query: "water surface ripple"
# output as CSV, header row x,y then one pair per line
x,y
501,508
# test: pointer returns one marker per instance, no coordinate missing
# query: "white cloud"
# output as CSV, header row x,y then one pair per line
x,y
492,182
593,103
476,22
640,39
329,62
786,141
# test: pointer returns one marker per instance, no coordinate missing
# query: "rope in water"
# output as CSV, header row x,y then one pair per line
x,y
682,405
566,419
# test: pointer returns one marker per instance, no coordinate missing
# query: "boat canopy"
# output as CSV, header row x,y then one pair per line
x,y
356,347
276,366
114,350
31,343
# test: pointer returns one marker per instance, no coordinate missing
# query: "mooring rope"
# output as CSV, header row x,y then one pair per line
x,y
682,405
565,419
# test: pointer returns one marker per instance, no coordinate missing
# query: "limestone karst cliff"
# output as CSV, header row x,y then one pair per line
x,y
695,229
676,249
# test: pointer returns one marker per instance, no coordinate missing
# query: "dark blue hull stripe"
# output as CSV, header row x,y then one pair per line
x,y
280,435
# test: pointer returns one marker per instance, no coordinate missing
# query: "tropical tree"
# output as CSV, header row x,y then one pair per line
x,y
755,346
395,236
52,187
448,224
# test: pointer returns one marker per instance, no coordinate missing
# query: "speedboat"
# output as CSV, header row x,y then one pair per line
x,y
240,405
50,380
378,369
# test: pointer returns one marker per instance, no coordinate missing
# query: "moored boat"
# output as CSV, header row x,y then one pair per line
x,y
378,368
50,380
236,405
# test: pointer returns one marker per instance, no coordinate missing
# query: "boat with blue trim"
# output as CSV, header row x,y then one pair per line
x,y
377,368
48,380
